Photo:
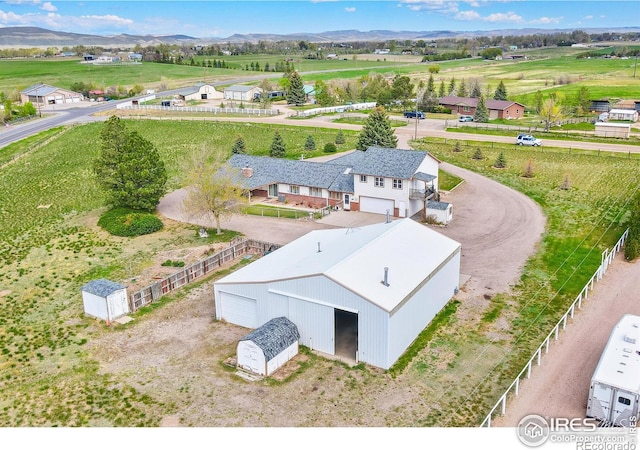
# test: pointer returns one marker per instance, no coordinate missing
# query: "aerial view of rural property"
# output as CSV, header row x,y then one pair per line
x,y
337,219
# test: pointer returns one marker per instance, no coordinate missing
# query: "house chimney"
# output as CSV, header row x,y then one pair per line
x,y
385,280
247,172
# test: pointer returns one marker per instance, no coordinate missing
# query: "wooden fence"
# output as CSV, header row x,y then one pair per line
x,y
196,270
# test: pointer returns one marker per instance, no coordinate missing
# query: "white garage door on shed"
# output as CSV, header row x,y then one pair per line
x,y
376,205
239,310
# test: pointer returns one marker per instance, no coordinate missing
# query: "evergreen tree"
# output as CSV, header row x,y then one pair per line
x,y
501,92
529,169
501,162
441,91
296,95
129,168
456,147
277,149
632,246
377,131
462,88
566,183
482,113
340,138
239,146
431,90
310,144
477,154
452,86
476,92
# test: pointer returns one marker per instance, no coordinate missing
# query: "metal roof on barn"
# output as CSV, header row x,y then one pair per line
x,y
274,336
102,287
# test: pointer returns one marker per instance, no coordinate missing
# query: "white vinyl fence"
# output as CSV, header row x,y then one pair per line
x,y
607,258
199,109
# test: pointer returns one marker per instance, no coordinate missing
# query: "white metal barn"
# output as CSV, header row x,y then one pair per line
x,y
363,293
105,299
614,393
266,349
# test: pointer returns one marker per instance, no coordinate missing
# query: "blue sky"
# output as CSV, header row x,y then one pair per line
x,y
223,18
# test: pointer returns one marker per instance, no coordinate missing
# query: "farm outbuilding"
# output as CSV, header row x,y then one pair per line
x,y
624,114
104,299
441,212
266,349
241,92
43,94
200,91
360,293
613,130
614,393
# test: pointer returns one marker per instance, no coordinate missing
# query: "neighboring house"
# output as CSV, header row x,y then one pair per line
x,y
309,92
43,94
405,274
624,114
200,91
498,109
241,93
378,180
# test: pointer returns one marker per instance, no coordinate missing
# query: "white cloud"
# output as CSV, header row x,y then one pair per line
x,y
55,21
350,9
48,6
509,17
588,17
108,20
442,6
468,15
547,20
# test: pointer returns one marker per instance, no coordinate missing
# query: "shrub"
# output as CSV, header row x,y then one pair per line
x,y
127,222
456,147
501,162
528,170
478,154
330,147
169,263
340,138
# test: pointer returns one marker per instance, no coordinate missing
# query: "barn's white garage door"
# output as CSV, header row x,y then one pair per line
x,y
376,205
239,310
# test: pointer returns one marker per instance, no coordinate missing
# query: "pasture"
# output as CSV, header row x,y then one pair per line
x,y
51,247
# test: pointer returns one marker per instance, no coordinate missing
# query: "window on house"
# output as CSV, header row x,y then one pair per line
x,y
363,178
466,108
315,192
335,195
378,182
397,183
293,189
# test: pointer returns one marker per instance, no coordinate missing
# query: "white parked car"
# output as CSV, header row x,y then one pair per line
x,y
527,139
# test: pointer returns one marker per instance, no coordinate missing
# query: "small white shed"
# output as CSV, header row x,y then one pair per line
x,y
623,114
104,299
612,130
441,212
266,349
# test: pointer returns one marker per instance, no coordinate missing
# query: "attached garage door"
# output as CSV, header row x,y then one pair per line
x,y
239,310
376,205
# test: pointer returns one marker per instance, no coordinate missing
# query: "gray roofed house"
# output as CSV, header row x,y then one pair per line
x,y
498,109
376,180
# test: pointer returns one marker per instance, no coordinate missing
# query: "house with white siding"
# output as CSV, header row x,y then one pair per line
x,y
378,180
359,293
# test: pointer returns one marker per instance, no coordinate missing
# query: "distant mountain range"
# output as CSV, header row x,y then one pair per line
x,y
40,37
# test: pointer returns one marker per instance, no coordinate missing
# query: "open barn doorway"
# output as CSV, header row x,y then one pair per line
x,y
346,334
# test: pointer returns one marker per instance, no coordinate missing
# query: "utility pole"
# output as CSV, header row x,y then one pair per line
x,y
419,96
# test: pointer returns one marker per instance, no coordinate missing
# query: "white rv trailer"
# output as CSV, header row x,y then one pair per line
x,y
615,386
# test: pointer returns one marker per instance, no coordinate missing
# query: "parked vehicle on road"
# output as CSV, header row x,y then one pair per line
x,y
527,139
465,119
413,114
